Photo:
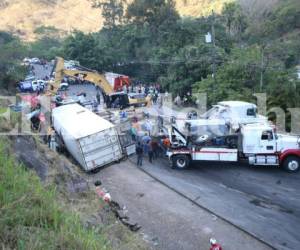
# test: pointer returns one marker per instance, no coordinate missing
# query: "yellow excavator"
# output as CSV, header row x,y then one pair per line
x,y
112,99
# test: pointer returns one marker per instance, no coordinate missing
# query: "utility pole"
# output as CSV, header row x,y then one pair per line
x,y
262,69
214,52
210,38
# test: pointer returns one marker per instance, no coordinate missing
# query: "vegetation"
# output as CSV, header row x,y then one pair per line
x,y
11,51
31,217
153,44
149,41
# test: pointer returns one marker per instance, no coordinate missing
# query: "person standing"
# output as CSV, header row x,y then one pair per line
x,y
155,149
98,97
139,153
150,151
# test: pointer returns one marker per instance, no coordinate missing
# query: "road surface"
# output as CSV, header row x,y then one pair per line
x,y
168,221
261,200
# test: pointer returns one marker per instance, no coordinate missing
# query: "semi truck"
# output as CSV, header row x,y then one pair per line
x,y
90,139
257,144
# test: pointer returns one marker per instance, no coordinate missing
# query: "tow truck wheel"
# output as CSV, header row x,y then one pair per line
x,y
181,161
291,164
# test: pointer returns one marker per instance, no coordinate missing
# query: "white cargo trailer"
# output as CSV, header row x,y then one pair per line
x,y
90,139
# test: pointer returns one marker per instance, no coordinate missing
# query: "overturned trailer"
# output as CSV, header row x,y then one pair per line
x,y
90,139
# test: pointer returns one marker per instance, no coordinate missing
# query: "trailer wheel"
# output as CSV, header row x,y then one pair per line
x,y
180,161
291,164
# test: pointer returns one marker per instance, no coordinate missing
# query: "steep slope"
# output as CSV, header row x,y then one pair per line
x,y
23,17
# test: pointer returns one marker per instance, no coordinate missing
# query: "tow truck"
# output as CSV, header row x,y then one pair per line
x,y
257,144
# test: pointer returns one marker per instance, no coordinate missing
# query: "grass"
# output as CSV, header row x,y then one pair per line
x,y
31,217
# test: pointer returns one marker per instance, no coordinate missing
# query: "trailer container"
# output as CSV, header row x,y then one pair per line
x,y
90,139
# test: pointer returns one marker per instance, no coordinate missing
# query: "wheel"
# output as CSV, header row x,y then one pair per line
x,y
180,161
291,164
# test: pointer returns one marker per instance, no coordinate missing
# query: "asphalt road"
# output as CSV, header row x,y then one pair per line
x,y
42,71
168,221
263,201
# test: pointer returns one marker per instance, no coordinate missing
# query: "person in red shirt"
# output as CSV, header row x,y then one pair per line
x,y
214,245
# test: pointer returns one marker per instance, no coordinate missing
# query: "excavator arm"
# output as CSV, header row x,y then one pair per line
x,y
94,77
53,86
91,76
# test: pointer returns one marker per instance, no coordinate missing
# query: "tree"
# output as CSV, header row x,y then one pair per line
x,y
85,49
152,12
11,53
112,11
236,21
228,12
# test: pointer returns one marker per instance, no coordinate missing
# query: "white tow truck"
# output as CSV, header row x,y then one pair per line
x,y
257,144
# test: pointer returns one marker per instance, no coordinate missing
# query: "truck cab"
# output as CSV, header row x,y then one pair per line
x,y
258,144
263,146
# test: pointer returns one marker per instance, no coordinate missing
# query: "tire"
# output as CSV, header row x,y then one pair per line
x,y
292,164
180,161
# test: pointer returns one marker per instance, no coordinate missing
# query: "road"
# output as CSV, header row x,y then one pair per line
x,y
263,201
168,221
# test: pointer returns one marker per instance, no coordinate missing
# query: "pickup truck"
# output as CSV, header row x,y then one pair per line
x,y
32,86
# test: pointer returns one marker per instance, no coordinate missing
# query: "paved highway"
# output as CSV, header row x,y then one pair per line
x,y
263,201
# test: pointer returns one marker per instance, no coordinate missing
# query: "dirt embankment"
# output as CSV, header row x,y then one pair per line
x,y
74,192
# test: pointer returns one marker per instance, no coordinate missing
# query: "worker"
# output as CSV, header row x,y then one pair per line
x,y
139,153
51,138
177,100
214,245
98,97
150,151
160,101
166,142
155,148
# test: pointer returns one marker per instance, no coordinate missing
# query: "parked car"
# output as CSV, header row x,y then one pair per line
x,y
35,60
64,86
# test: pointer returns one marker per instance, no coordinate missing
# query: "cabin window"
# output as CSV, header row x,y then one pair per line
x,y
251,112
267,135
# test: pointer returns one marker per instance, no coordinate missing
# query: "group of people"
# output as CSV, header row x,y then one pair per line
x,y
186,99
153,147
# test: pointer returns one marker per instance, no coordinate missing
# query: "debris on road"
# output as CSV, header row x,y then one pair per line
x,y
120,213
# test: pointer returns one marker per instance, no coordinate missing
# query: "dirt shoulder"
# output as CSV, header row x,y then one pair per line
x,y
74,191
168,220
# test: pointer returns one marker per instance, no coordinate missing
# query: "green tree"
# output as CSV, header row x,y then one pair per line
x,y
85,49
152,13
11,53
112,11
228,12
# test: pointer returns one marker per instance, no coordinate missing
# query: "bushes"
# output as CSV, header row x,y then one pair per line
x,y
30,216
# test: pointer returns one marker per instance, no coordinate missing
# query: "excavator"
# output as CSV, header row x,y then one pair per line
x,y
112,99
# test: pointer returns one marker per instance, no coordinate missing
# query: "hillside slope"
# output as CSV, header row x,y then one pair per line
x,y
22,17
